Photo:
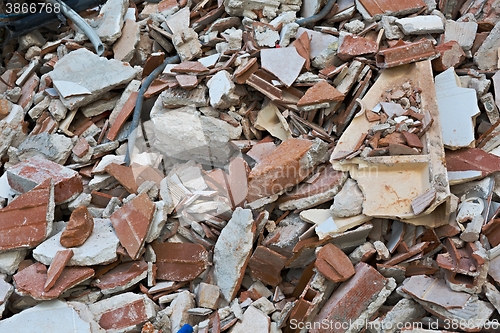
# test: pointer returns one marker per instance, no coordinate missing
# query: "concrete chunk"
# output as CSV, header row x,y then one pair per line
x,y
421,25
104,76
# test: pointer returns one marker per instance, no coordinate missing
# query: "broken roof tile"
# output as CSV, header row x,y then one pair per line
x,y
56,267
78,229
31,280
266,265
121,277
25,175
321,92
131,223
27,220
179,261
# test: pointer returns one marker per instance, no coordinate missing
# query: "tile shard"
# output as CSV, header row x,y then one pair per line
x,y
27,221
271,62
374,9
270,177
132,309
131,223
56,268
31,280
25,175
457,110
179,261
321,92
334,264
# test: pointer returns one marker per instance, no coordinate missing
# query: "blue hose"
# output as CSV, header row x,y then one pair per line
x,y
186,328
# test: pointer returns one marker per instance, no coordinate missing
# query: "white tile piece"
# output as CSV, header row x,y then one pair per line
x,y
457,110
272,61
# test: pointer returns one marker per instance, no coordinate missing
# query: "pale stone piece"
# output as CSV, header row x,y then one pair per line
x,y
232,252
180,306
10,260
421,25
124,48
349,201
486,57
110,20
48,316
253,321
462,32
185,134
221,91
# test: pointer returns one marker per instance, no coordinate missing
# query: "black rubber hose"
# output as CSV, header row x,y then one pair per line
x,y
138,104
316,17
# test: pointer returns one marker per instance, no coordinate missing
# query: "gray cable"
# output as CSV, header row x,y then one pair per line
x,y
314,18
82,24
138,104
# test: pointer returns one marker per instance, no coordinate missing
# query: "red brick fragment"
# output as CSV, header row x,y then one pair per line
x,y
56,267
24,223
78,229
131,223
81,148
451,55
334,264
124,175
25,175
266,265
350,299
179,261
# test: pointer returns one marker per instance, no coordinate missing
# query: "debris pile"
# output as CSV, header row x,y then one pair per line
x,y
249,166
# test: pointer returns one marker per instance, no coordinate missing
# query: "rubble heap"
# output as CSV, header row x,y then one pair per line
x,y
297,166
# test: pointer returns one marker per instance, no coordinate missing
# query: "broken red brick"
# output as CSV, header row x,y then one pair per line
x,y
56,267
31,280
27,220
78,229
124,175
334,264
451,55
179,261
266,265
351,298
25,175
131,223
81,148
